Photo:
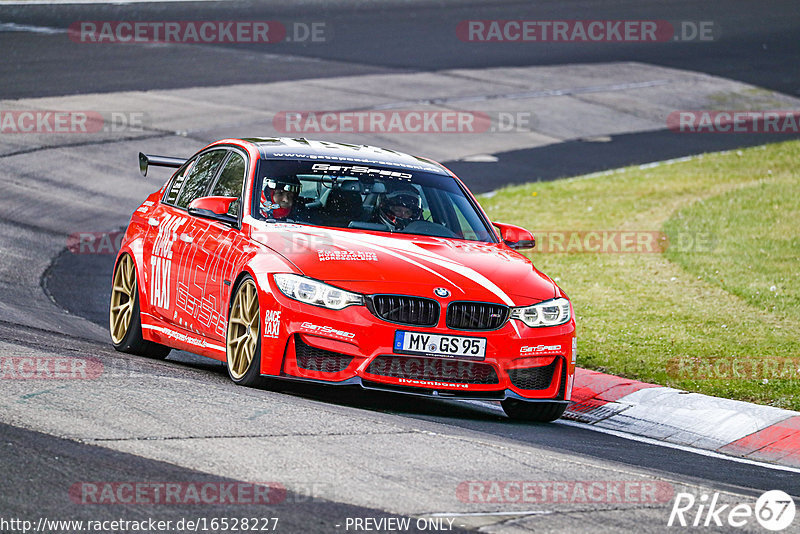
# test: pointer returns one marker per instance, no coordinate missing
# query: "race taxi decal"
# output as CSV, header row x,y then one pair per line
x,y
161,260
272,323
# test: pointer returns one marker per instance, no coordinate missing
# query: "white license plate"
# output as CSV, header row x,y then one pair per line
x,y
470,348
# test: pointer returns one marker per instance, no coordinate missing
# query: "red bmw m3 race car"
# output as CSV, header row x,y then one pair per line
x,y
341,264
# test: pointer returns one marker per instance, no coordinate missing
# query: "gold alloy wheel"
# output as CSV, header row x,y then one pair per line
x,y
123,295
243,330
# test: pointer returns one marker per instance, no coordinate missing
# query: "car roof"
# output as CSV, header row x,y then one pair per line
x,y
301,148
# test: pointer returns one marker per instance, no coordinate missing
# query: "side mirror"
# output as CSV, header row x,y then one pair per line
x,y
215,208
515,237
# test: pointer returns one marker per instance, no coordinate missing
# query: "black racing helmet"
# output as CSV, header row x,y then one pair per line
x,y
397,209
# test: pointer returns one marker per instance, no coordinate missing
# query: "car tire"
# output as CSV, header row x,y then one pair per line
x,y
124,317
539,412
243,335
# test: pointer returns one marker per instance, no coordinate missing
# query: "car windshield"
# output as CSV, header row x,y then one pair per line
x,y
368,197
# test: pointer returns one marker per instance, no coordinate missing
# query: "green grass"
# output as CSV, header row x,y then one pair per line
x,y
718,312
756,243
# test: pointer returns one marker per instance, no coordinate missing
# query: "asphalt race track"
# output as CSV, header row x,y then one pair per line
x,y
333,455
756,44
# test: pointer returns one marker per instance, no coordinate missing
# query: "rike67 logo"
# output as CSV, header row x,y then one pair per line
x,y
774,510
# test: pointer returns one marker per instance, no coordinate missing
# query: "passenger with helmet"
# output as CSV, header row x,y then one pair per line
x,y
279,197
397,209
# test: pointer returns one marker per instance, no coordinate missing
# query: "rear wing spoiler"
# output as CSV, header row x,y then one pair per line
x,y
145,160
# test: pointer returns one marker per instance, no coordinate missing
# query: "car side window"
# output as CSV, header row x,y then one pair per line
x,y
177,182
199,176
230,181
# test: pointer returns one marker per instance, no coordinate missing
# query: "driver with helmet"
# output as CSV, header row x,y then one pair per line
x,y
279,196
400,208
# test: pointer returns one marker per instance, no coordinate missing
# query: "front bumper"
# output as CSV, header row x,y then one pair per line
x,y
354,347
357,381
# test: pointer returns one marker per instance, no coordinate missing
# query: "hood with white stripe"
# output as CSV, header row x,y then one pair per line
x,y
408,264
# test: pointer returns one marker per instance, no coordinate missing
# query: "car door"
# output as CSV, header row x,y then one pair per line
x,y
170,230
211,254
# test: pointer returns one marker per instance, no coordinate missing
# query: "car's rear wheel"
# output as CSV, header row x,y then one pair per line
x,y
243,339
540,412
125,321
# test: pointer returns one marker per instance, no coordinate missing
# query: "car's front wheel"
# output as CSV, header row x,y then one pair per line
x,y
124,319
243,339
540,412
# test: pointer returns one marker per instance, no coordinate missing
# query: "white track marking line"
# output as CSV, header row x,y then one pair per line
x,y
479,514
524,95
651,441
702,452
14,27
106,2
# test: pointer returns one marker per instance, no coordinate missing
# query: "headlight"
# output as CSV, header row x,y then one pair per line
x,y
313,292
548,313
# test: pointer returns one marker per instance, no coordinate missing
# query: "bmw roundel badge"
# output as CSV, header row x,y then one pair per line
x,y
441,292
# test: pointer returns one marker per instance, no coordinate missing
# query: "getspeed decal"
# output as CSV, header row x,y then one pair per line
x,y
201,298
317,329
540,349
358,169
